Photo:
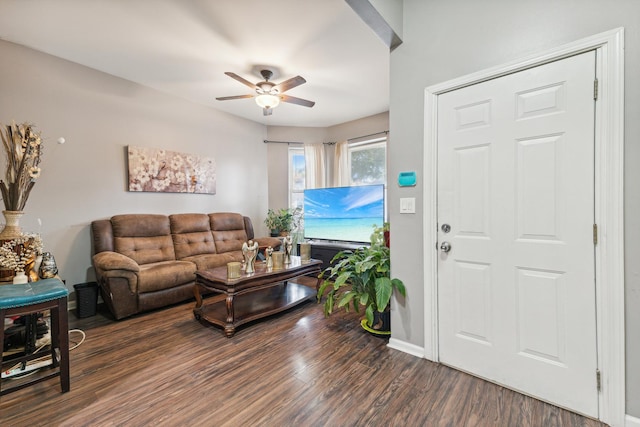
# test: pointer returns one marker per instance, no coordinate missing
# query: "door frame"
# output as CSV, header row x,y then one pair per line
x,y
609,206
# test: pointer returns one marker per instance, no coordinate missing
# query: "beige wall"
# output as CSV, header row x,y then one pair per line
x,y
278,158
99,115
361,127
444,40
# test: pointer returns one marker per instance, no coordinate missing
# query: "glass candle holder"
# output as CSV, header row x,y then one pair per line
x,y
278,260
233,270
305,252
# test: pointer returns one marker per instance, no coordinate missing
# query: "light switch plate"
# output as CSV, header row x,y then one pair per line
x,y
408,205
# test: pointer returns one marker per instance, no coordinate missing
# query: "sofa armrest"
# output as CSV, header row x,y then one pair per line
x,y
106,261
118,278
263,242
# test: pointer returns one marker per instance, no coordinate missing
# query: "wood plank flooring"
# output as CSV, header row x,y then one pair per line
x,y
295,369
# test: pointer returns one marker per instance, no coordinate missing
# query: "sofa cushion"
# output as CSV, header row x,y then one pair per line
x,y
145,238
228,231
164,275
191,235
189,223
209,261
102,233
224,221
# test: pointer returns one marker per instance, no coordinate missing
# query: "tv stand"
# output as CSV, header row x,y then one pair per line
x,y
325,250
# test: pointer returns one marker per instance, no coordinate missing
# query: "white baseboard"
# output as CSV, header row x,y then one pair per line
x,y
631,421
406,347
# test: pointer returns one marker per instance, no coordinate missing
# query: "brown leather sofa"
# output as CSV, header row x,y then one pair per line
x,y
146,261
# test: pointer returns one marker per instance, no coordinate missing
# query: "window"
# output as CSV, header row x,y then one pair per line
x,y
368,162
296,177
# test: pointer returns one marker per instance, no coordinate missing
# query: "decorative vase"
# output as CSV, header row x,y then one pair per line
x,y
12,228
20,278
48,267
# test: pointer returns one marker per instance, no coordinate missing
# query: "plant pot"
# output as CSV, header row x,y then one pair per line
x,y
381,324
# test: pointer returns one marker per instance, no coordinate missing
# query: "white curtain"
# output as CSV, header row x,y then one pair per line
x,y
314,159
341,165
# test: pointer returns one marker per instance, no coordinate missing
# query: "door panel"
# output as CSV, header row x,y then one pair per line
x,y
516,293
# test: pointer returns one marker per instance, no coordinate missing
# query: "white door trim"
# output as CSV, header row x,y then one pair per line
x,y
609,208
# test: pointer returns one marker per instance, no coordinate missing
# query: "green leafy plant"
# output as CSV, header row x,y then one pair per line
x,y
283,220
378,235
360,278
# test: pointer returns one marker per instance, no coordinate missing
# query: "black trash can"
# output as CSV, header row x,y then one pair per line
x,y
86,299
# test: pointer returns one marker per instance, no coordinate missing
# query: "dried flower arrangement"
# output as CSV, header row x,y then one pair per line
x,y
23,150
17,253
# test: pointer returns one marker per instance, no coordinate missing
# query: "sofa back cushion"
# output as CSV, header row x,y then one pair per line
x,y
191,234
228,231
102,233
145,238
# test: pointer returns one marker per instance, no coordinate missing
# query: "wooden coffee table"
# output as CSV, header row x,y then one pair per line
x,y
252,296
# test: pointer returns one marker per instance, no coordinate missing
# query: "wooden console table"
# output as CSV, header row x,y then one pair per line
x,y
252,296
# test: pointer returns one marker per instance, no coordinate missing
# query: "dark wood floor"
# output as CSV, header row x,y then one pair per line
x,y
295,369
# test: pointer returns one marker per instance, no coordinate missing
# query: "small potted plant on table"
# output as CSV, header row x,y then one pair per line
x,y
282,221
362,278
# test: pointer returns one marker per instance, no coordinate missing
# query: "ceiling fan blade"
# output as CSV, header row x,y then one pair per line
x,y
267,111
227,98
298,101
240,79
290,84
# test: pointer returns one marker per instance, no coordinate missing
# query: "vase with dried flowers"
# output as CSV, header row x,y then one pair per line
x,y
18,255
23,150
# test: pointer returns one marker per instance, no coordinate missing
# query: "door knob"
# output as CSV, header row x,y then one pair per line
x,y
445,247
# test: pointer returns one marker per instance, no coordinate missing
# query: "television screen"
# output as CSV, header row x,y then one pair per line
x,y
343,213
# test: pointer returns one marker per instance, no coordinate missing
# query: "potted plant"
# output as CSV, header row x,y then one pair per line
x,y
381,234
362,278
282,221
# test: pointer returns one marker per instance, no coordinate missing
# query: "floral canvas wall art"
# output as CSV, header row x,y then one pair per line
x,y
165,171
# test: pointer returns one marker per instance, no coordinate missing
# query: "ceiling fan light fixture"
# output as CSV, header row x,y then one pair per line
x,y
267,100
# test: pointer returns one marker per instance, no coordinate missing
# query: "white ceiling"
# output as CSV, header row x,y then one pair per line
x,y
183,47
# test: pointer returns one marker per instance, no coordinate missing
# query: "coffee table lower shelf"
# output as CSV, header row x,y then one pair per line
x,y
253,305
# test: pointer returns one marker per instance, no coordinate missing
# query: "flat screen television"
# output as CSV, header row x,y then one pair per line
x,y
345,214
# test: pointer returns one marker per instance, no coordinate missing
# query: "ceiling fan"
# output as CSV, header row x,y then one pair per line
x,y
268,94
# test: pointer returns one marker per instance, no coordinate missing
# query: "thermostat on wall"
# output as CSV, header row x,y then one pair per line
x,y
407,179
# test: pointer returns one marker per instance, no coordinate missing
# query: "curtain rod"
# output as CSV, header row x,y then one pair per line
x,y
266,141
371,134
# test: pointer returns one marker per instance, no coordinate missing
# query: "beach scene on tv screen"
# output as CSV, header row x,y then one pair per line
x,y
343,213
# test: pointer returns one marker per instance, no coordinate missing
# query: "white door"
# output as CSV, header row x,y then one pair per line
x,y
516,291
